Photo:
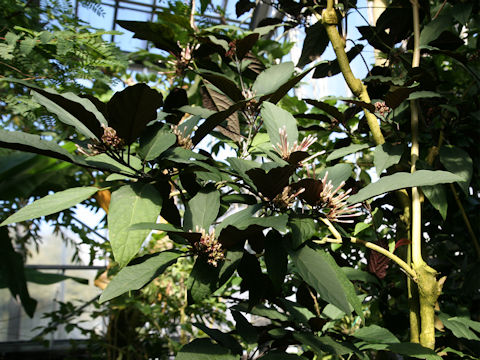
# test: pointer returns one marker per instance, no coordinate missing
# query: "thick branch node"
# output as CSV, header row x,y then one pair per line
x,y
329,17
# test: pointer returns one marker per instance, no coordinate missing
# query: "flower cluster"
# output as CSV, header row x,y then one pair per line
x,y
381,108
335,204
232,48
183,60
209,247
111,139
183,139
283,148
287,197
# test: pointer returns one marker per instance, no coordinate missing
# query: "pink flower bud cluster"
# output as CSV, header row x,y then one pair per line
x,y
209,247
381,108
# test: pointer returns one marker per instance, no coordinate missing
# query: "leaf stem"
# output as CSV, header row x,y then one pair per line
x,y
338,239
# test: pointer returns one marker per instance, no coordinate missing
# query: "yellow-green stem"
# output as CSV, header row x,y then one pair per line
x,y
413,304
416,201
338,239
428,287
330,21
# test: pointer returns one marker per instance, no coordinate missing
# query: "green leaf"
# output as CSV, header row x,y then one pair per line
x,y
326,107
276,118
276,259
221,42
298,312
261,310
278,223
461,12
27,45
156,144
462,355
130,110
183,156
241,216
13,159
359,227
106,163
331,68
422,94
204,349
414,350
438,198
241,166
359,275
317,271
162,36
386,155
337,173
129,205
12,271
197,110
134,277
302,230
226,340
228,267
460,326
269,80
324,344
434,28
402,180
353,148
52,103
89,103
17,140
346,284
155,226
458,161
202,281
202,210
375,334
315,43
51,204
38,277
214,120
224,84
247,331
285,88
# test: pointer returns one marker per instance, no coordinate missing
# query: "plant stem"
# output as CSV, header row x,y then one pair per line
x,y
413,304
429,288
416,201
330,21
338,239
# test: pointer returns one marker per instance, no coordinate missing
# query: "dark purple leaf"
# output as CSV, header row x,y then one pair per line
x,y
271,183
130,110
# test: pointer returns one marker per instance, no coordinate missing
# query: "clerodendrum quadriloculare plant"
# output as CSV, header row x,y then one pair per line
x,y
273,215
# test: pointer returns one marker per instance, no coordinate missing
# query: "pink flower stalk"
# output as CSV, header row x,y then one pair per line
x,y
285,151
287,197
338,210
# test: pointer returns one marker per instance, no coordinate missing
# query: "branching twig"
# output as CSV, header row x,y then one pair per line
x,y
338,240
